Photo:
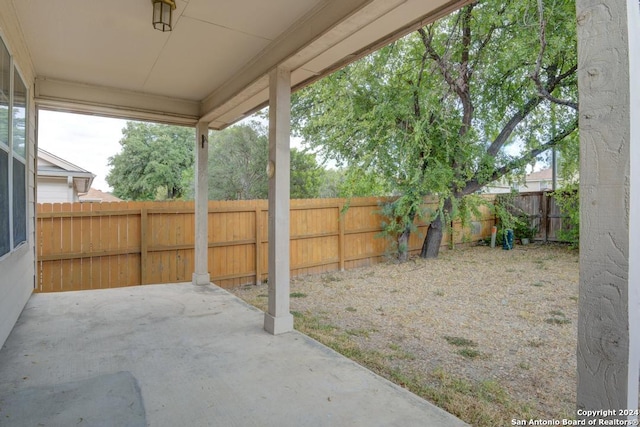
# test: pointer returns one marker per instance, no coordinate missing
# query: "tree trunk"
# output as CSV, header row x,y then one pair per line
x,y
403,239
403,245
433,239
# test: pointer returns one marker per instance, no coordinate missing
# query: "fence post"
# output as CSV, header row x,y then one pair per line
x,y
144,245
544,204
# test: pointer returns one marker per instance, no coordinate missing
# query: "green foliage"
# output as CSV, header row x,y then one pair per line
x,y
512,217
523,228
568,199
153,159
238,158
237,163
306,175
331,183
469,353
399,219
506,211
460,341
350,182
452,107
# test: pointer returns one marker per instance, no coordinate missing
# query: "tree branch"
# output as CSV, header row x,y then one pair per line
x,y
458,84
465,72
446,73
532,103
535,76
486,40
513,122
416,89
474,185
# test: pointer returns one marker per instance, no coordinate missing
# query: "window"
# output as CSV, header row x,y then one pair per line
x,y
5,91
5,239
13,155
19,203
19,139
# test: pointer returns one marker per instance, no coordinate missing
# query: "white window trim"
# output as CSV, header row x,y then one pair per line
x,y
13,69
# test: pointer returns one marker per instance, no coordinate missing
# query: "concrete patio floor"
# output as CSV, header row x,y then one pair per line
x,y
181,355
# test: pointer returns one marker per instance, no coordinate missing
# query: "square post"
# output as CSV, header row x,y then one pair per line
x,y
609,296
277,319
201,274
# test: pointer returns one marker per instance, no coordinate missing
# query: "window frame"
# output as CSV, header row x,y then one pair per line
x,y
14,156
18,157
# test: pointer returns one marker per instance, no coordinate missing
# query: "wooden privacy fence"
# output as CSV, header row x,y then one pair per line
x,y
105,245
544,213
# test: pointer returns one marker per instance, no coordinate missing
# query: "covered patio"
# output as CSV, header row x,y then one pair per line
x,y
178,354
223,61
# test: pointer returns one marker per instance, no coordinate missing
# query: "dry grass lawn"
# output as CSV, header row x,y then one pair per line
x,y
487,334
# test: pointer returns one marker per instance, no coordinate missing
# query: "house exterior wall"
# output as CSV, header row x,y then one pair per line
x,y
534,186
54,189
17,268
527,187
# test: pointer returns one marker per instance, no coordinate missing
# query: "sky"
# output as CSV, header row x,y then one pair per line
x,y
86,141
89,141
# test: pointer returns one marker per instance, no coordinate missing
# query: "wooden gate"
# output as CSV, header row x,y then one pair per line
x,y
544,214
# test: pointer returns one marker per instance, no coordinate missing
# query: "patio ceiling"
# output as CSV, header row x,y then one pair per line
x,y
106,58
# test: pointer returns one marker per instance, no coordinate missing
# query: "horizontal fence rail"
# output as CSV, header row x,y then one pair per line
x,y
106,245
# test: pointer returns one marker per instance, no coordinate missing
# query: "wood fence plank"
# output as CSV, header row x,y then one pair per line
x,y
121,261
94,224
44,232
75,245
340,220
144,244
108,242
258,246
104,233
66,281
85,246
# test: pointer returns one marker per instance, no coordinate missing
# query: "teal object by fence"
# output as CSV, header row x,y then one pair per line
x,y
507,241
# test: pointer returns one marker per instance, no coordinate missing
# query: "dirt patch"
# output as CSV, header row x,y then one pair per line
x,y
477,313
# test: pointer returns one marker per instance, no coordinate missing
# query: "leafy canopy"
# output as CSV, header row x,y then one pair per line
x,y
153,161
452,107
238,158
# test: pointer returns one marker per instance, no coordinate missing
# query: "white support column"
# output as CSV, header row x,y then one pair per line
x,y
278,320
609,296
201,273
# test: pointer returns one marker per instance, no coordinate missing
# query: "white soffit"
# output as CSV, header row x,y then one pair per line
x,y
105,57
192,70
373,26
265,19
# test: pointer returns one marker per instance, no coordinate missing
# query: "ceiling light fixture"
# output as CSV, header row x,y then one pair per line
x,y
163,14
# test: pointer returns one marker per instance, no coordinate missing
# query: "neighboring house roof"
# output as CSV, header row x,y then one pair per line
x,y
50,165
95,195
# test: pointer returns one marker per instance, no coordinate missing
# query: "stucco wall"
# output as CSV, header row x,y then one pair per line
x,y
17,269
608,332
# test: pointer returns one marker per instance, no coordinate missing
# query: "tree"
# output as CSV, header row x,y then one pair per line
x,y
237,166
153,160
351,182
306,175
436,112
237,163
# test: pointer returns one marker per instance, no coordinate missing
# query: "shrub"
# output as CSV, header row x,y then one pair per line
x,y
568,200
